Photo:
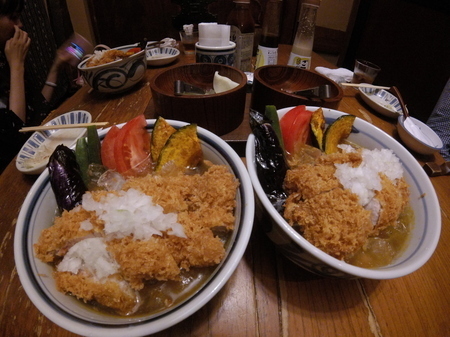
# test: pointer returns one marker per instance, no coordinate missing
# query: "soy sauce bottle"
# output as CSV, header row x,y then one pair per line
x,y
268,45
242,32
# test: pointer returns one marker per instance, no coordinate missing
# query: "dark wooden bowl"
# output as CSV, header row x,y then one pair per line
x,y
269,80
219,113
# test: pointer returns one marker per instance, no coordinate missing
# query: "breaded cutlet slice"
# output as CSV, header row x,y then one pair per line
x,y
213,194
142,260
161,258
54,241
313,179
113,292
333,221
310,180
393,199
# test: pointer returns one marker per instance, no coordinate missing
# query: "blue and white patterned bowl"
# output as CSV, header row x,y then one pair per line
x,y
381,101
425,231
33,157
162,56
222,55
38,212
117,76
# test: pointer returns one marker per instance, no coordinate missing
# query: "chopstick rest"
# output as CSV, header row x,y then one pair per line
x,y
61,126
434,170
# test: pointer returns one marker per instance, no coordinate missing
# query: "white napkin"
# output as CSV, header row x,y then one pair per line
x,y
168,42
338,75
211,34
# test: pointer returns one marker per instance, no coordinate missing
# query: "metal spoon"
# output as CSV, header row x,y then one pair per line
x,y
183,88
322,92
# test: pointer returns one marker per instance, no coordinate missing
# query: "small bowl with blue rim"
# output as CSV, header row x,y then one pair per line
x,y
34,154
161,56
382,101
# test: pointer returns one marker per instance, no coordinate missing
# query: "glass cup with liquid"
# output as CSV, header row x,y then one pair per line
x,y
365,72
188,41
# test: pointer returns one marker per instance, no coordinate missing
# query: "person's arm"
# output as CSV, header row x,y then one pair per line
x,y
52,77
16,50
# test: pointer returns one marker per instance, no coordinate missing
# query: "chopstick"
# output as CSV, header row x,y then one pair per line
x,y
61,126
364,85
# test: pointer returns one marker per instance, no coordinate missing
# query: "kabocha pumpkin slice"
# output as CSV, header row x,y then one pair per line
x,y
336,132
182,150
318,126
161,133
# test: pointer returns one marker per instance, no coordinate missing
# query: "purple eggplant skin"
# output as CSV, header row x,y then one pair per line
x,y
65,178
271,165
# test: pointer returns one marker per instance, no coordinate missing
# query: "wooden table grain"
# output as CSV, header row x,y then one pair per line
x,y
267,295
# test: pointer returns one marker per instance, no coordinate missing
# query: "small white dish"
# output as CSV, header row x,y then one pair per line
x,y
161,56
381,101
34,154
428,141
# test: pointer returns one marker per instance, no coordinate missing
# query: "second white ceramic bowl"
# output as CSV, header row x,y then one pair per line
x,y
425,231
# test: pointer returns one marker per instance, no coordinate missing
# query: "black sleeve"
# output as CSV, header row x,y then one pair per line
x,y
11,140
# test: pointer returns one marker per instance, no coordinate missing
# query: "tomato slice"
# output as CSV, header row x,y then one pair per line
x,y
107,149
295,127
133,50
132,147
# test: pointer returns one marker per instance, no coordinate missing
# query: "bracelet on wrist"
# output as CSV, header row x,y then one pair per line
x,y
51,84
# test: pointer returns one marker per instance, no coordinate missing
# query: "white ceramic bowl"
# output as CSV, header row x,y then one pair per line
x,y
117,76
430,142
37,213
381,101
161,56
34,154
425,231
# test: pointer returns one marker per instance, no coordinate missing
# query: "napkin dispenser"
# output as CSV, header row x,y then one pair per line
x,y
214,45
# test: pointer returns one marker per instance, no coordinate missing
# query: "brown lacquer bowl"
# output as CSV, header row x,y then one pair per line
x,y
219,113
272,83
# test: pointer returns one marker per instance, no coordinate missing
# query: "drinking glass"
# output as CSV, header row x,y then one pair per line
x,y
365,72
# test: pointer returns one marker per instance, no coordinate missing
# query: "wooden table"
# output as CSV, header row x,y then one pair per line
x,y
267,295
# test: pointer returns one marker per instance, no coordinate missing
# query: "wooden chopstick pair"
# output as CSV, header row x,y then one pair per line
x,y
61,126
364,85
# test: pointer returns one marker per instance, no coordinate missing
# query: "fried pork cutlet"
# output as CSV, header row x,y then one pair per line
x,y
113,292
333,221
331,217
201,203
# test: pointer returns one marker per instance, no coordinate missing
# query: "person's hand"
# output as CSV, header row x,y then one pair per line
x,y
16,48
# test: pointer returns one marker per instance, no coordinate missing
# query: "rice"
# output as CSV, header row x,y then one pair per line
x,y
132,212
365,179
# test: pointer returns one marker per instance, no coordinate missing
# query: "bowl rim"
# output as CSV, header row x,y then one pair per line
x,y
401,120
46,134
380,109
198,300
257,77
164,55
241,85
82,65
377,273
231,45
